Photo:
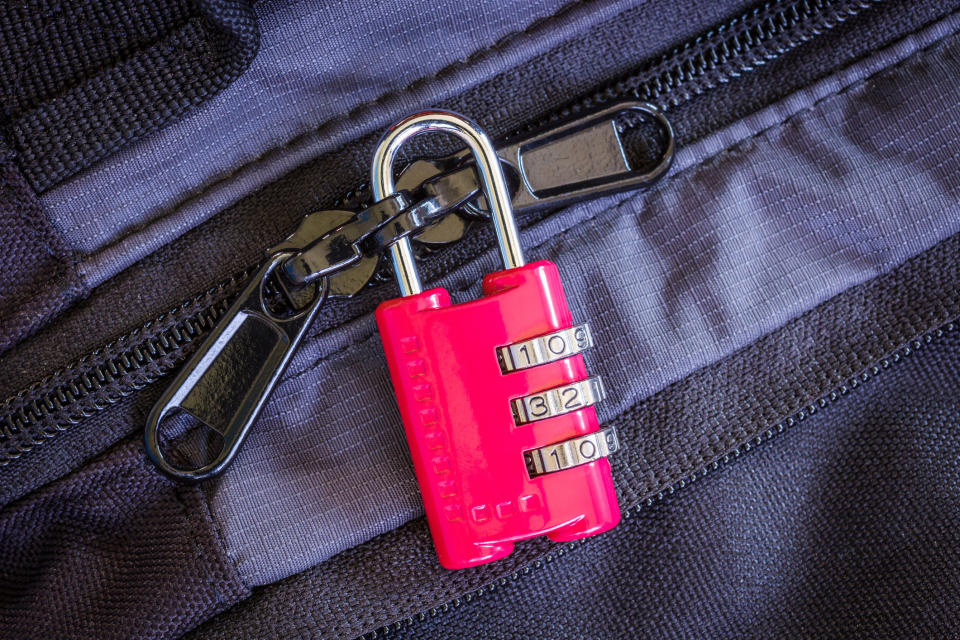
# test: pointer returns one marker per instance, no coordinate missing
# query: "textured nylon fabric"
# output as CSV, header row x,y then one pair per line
x,y
38,276
80,79
876,23
318,62
158,284
711,413
183,268
355,595
112,551
844,526
654,466
328,73
763,221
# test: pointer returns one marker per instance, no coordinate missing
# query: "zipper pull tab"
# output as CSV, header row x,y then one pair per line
x,y
581,157
584,157
226,383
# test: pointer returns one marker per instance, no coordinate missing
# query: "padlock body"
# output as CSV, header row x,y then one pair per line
x,y
455,402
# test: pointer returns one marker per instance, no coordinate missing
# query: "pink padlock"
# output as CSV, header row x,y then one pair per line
x,y
494,393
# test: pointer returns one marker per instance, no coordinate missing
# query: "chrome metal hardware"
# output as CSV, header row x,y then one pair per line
x,y
491,180
557,401
572,453
546,348
580,158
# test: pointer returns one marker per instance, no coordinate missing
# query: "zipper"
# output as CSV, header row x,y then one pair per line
x,y
227,382
38,413
854,383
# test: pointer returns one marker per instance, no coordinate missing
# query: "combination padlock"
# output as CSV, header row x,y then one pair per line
x,y
494,394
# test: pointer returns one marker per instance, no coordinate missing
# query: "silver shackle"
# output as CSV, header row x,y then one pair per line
x,y
491,180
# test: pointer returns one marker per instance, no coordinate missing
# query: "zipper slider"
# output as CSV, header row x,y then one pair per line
x,y
226,383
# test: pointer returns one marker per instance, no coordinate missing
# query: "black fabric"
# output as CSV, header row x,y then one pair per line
x,y
74,556
38,276
80,79
844,526
678,432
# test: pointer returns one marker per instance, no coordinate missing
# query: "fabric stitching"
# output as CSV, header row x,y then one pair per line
x,y
204,562
221,539
359,110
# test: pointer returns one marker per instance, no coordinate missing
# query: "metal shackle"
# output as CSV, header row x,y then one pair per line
x,y
492,181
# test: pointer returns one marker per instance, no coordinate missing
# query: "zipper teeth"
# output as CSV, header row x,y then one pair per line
x,y
744,43
852,383
720,55
39,412
83,388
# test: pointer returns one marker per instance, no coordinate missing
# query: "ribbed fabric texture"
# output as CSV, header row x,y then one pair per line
x,y
80,79
113,551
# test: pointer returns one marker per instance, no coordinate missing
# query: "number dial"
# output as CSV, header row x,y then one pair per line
x,y
571,453
546,348
557,401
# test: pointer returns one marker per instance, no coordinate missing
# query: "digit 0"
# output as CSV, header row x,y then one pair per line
x,y
557,345
588,450
556,458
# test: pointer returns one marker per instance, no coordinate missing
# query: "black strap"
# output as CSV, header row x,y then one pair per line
x,y
81,79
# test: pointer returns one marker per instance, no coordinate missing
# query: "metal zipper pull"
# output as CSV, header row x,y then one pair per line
x,y
582,157
227,382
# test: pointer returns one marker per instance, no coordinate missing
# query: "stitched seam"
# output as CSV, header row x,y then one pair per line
x,y
729,441
700,165
222,541
196,532
357,111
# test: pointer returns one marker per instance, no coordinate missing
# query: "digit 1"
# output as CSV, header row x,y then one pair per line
x,y
556,458
526,354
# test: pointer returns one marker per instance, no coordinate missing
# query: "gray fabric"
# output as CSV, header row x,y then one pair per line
x,y
271,121
322,70
760,222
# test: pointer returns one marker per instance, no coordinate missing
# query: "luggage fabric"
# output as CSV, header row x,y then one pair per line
x,y
775,320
